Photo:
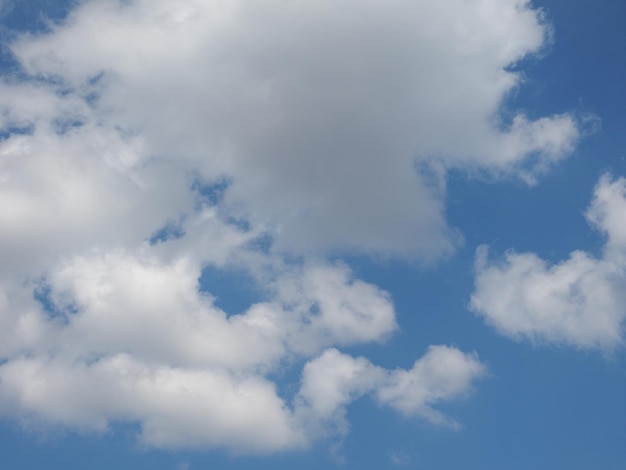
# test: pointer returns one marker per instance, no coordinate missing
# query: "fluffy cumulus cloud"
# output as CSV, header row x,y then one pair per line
x,y
333,380
274,94
144,141
134,339
580,301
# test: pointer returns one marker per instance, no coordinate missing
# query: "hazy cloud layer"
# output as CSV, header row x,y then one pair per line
x,y
580,301
149,140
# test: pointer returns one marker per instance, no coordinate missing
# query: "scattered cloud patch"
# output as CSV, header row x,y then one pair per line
x,y
579,301
334,379
146,142
140,342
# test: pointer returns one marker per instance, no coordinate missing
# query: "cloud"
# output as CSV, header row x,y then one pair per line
x,y
334,380
579,301
176,407
333,120
117,337
144,141
443,373
69,184
156,311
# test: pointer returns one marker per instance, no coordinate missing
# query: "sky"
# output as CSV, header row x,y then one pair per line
x,y
294,234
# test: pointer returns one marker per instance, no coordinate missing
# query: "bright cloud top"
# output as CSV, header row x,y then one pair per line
x,y
580,301
144,141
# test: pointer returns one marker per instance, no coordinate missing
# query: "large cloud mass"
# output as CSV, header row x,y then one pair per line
x,y
147,140
331,119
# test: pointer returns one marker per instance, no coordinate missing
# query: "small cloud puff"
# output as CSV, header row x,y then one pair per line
x,y
580,301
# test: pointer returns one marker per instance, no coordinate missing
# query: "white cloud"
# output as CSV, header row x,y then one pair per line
x,y
441,374
607,214
333,380
176,407
132,338
332,308
579,301
275,96
329,383
156,312
89,186
330,126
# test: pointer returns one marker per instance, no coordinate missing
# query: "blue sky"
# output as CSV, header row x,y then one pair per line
x,y
312,235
